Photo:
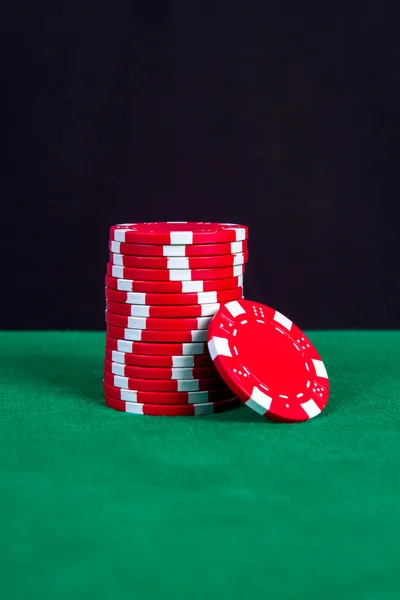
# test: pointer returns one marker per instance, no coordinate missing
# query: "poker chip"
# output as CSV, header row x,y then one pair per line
x,y
268,362
166,312
163,385
163,324
150,335
174,287
136,372
164,284
178,251
154,410
196,262
158,349
174,302
174,275
178,233
151,360
173,398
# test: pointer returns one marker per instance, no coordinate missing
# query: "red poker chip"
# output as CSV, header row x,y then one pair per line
x,y
174,275
154,410
173,302
161,373
151,335
174,287
154,361
197,262
268,362
178,233
165,312
155,349
178,251
174,398
163,324
163,385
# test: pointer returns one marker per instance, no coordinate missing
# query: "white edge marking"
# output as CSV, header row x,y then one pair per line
x,y
261,400
199,335
209,310
174,251
182,362
125,346
280,318
236,247
181,238
192,286
181,373
128,395
178,263
133,335
240,234
188,385
117,357
137,323
235,308
116,247
180,274
197,397
192,349
124,285
119,235
134,409
136,298
203,322
121,382
219,346
207,297
138,310
203,409
118,260
320,368
311,408
117,272
118,369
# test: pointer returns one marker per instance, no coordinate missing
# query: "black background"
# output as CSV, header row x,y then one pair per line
x,y
284,117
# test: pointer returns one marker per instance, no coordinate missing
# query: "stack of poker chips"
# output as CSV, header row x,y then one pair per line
x,y
164,283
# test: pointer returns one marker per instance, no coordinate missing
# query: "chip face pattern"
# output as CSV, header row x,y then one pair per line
x,y
269,363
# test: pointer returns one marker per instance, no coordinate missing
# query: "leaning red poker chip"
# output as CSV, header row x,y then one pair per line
x,y
155,349
178,233
163,324
178,251
165,312
174,398
150,335
161,373
174,302
163,385
268,362
174,275
154,361
154,410
174,287
197,262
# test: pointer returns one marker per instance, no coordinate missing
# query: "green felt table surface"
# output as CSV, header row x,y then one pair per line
x,y
105,505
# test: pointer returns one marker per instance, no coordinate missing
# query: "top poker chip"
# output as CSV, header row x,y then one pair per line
x,y
177,233
267,361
